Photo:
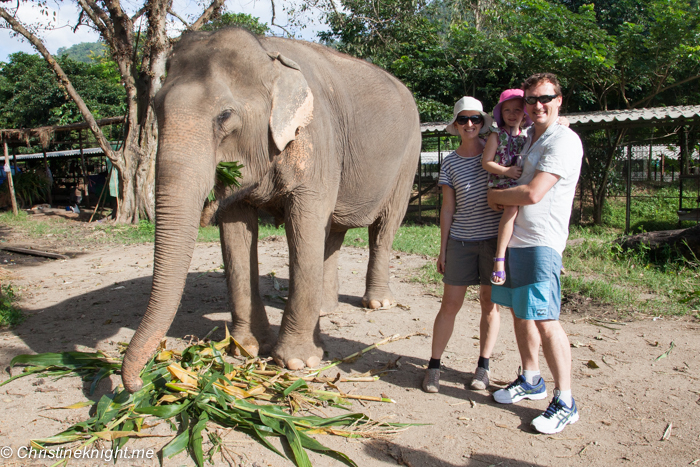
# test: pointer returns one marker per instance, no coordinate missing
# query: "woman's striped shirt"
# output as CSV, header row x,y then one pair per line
x,y
473,219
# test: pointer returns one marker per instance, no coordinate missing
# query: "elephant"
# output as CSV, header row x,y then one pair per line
x,y
327,142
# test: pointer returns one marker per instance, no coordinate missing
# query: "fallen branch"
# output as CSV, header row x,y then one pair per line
x,y
27,251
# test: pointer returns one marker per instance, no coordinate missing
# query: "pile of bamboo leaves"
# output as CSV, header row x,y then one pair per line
x,y
198,386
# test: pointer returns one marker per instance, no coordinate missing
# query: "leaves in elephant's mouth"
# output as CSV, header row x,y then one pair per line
x,y
227,173
200,387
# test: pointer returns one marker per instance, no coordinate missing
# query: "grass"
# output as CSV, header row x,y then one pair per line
x,y
10,315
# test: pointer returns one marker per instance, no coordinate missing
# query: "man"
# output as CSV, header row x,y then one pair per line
x,y
545,193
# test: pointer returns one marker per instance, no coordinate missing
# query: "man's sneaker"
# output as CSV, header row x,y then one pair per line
x,y
520,389
556,417
431,380
481,378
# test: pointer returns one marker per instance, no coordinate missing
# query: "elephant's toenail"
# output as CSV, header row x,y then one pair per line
x,y
313,362
295,364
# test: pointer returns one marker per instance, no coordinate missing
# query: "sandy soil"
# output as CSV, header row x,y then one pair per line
x,y
627,404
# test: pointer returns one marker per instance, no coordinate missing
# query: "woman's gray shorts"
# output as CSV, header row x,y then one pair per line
x,y
469,263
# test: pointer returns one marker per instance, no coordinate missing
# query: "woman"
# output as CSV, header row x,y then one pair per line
x,y
468,231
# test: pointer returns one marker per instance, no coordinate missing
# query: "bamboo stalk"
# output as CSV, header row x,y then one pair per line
x,y
368,398
393,338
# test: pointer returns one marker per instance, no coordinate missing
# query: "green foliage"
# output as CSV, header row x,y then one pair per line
x,y
197,386
29,186
242,20
84,52
228,174
30,95
10,315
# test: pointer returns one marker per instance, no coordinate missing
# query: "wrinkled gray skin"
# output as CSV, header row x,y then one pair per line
x,y
328,143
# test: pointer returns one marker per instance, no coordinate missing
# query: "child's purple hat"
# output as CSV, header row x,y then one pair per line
x,y
507,95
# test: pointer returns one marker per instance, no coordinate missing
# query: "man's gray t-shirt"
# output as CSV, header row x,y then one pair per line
x,y
558,151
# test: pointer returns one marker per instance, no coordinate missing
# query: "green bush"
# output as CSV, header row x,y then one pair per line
x,y
10,315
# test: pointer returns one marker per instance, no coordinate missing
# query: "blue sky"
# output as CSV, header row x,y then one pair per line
x,y
67,14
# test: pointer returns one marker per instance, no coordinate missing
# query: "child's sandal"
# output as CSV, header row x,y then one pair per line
x,y
498,274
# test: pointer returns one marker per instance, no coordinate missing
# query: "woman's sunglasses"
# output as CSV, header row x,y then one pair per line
x,y
543,99
475,119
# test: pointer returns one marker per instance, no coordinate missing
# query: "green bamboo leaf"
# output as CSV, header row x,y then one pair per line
x,y
196,438
103,373
295,385
177,445
310,443
300,456
274,423
263,439
163,411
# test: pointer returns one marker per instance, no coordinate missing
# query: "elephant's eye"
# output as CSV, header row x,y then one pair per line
x,y
223,117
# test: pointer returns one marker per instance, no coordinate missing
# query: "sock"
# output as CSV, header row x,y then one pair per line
x,y
483,363
531,376
434,363
566,397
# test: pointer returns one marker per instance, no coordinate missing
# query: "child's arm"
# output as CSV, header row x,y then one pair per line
x,y
490,166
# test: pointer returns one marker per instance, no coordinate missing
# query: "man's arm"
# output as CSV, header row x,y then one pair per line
x,y
522,195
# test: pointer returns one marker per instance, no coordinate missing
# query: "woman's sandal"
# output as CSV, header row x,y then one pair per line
x,y
498,274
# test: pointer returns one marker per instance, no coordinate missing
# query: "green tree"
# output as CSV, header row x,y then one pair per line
x,y
243,20
141,75
30,95
85,52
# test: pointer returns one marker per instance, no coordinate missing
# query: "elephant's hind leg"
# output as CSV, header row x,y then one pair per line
x,y
381,237
330,272
239,245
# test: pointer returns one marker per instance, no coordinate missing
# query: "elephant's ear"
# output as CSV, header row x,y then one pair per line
x,y
292,101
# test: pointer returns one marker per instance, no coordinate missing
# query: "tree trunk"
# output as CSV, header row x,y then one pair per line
x,y
686,241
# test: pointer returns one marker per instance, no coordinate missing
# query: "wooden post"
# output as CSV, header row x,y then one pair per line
x,y
629,189
46,169
86,178
8,173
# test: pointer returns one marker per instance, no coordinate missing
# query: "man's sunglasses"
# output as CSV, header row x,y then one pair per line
x,y
475,119
543,99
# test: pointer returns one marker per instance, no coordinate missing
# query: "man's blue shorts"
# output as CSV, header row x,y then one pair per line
x,y
532,288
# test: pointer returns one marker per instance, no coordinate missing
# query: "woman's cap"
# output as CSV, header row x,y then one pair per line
x,y
507,95
468,103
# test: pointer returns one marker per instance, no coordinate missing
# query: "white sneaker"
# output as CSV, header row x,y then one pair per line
x,y
556,417
520,389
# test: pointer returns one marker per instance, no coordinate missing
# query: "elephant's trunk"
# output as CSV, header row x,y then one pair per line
x,y
180,194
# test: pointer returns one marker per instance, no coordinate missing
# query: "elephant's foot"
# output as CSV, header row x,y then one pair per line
x,y
297,355
378,300
255,346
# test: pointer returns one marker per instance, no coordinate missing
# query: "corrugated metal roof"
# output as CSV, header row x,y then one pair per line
x,y
685,112
650,115
68,153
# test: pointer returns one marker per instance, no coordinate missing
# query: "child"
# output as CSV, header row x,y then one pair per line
x,y
501,160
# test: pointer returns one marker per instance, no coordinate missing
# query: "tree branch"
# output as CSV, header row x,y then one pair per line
x,y
65,82
207,14
138,14
659,91
99,18
272,21
171,12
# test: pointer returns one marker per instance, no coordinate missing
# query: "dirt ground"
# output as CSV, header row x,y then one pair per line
x,y
635,409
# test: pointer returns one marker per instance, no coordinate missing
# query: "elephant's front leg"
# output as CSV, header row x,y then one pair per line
x,y
299,341
238,224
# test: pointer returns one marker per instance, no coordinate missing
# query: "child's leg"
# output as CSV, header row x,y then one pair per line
x,y
505,231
